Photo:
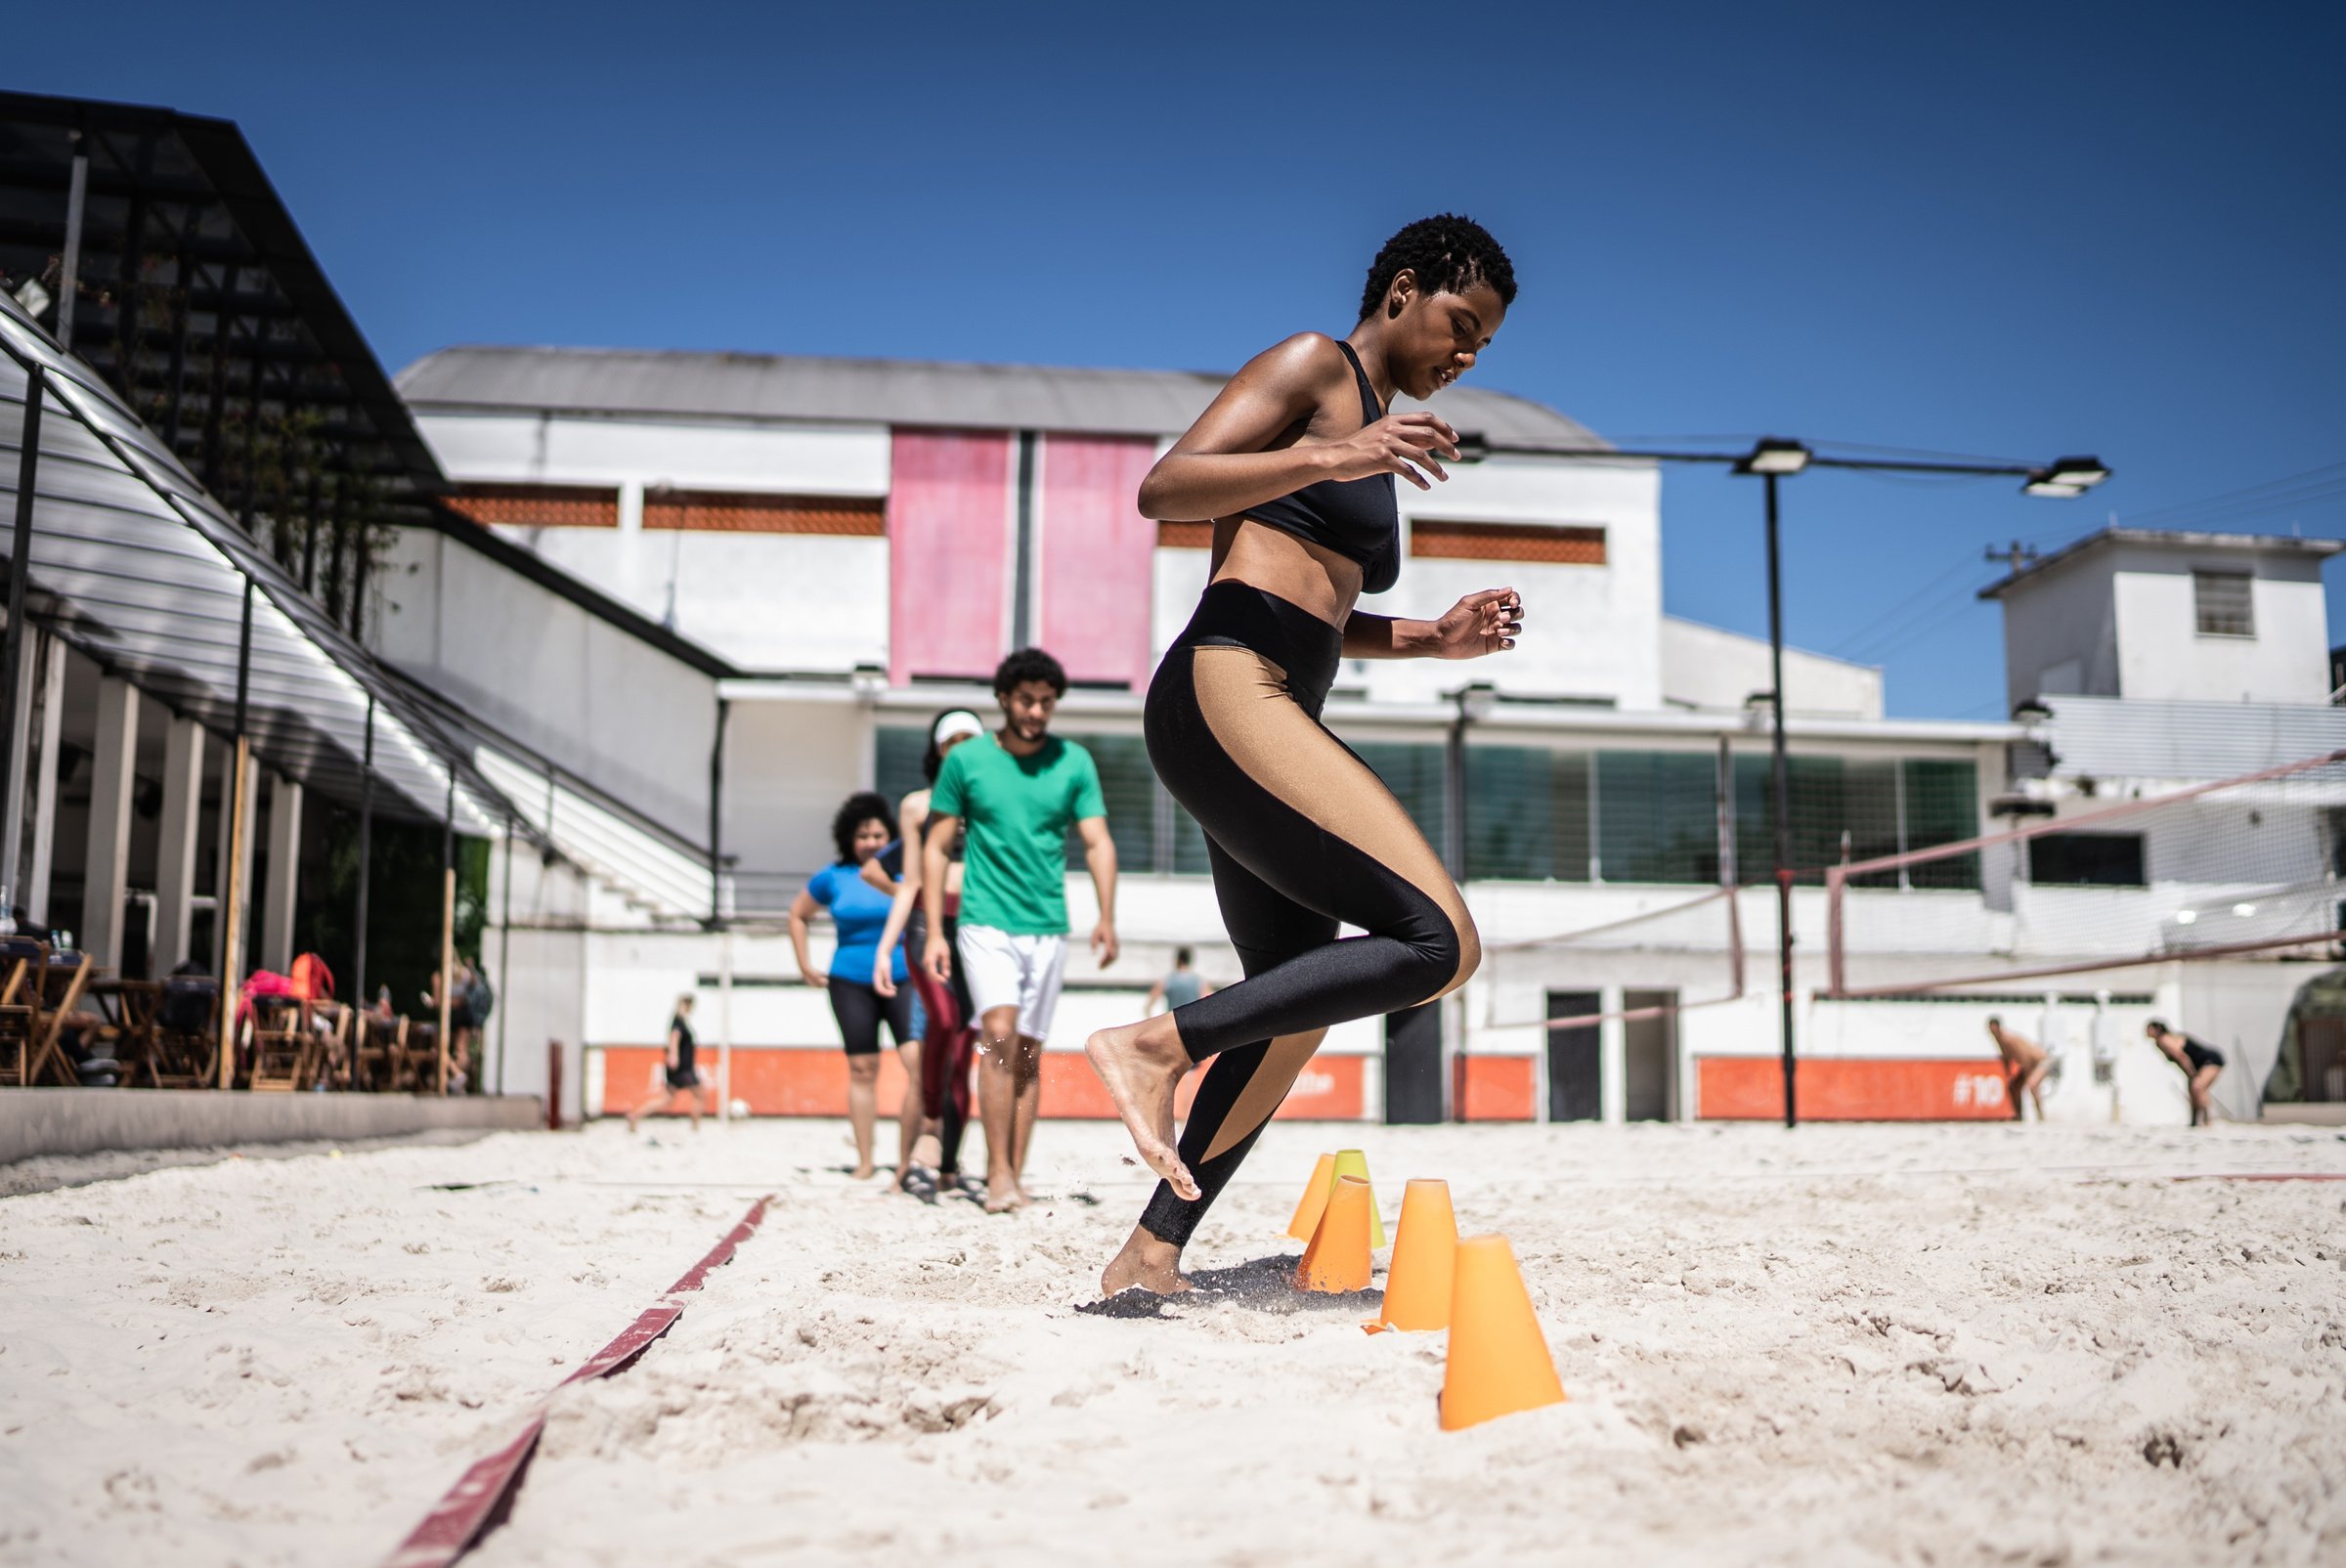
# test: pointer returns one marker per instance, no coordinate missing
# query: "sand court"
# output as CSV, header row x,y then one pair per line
x,y
1851,1344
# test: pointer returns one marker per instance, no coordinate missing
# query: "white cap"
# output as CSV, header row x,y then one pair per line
x,y
949,726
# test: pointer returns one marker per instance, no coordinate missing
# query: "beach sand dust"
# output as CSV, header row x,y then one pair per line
x,y
1926,1345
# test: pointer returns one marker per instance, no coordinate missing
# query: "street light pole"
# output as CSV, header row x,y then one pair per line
x,y
1781,774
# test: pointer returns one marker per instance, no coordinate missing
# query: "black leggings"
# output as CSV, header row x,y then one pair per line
x,y
859,1010
1301,836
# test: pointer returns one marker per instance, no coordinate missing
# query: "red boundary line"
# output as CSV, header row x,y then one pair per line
x,y
466,1512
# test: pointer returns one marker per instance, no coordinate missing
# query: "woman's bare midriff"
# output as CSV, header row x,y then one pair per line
x,y
1305,575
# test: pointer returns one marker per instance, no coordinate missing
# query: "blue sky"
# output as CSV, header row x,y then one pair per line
x,y
2016,231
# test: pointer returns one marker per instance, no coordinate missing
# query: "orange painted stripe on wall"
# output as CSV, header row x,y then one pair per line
x,y
1751,1088
1495,1088
813,1082
1554,544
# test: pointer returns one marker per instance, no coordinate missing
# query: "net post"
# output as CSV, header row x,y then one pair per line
x,y
1836,974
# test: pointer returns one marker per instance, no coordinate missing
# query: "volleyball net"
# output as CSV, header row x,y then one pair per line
x,y
2245,866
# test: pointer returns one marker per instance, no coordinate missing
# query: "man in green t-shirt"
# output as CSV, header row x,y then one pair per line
x,y
1019,790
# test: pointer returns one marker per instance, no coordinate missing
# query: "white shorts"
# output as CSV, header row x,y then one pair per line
x,y
1012,971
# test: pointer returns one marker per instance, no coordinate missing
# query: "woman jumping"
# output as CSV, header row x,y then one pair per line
x,y
1294,462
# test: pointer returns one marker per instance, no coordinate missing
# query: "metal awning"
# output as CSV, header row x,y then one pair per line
x,y
137,567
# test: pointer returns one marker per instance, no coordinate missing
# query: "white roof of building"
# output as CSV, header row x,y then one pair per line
x,y
675,384
2164,538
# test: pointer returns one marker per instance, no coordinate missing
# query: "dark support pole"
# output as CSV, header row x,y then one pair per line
x,y
13,734
1022,607
232,913
443,992
358,961
68,287
504,962
1783,797
717,817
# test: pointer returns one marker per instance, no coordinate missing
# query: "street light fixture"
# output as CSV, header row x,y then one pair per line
x,y
1775,456
2066,478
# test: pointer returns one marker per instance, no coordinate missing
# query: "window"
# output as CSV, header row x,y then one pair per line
x,y
1527,814
2227,607
1413,774
1657,816
2087,860
1882,807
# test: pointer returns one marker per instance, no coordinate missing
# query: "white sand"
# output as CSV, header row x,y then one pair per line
x,y
1853,1345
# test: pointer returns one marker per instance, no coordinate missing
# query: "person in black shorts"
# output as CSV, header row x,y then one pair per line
x,y
858,911
2202,1065
682,1079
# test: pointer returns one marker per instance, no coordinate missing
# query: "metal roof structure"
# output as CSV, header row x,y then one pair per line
x,y
682,385
199,304
138,568
2164,538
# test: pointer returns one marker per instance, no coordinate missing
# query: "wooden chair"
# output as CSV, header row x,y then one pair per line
x,y
377,1047
132,1028
279,1044
62,977
20,962
187,1032
419,1059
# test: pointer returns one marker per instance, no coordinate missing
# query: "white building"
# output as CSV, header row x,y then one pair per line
x,y
815,555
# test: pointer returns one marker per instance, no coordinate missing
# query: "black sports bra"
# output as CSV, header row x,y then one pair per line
x,y
1358,518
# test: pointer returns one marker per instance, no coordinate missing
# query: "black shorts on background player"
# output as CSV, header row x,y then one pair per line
x,y
683,1075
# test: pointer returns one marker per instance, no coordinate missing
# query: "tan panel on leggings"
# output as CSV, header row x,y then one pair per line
x,y
1273,1078
1280,747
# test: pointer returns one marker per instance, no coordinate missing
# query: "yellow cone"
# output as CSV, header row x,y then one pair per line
x,y
1315,1200
1499,1361
1425,1246
1354,1162
1337,1260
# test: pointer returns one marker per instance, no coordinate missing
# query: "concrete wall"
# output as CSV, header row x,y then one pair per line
x,y
34,1122
2162,654
632,720
1708,668
2121,621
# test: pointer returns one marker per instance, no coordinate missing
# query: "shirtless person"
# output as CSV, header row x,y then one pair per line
x,y
2026,1065
2201,1063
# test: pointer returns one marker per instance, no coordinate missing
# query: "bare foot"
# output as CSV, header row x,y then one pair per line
x,y
1144,1264
1141,1064
1002,1195
863,1173
927,1150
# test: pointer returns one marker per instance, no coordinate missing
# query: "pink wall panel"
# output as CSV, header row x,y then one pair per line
x,y
1097,551
948,528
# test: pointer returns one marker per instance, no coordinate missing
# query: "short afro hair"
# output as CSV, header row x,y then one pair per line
x,y
1031,663
862,807
1447,254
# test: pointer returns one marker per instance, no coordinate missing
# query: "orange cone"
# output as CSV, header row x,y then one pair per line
x,y
1499,1361
1425,1246
1337,1260
1315,1200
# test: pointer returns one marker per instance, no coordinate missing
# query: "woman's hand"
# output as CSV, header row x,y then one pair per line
x,y
938,958
1401,444
883,979
1482,623
815,977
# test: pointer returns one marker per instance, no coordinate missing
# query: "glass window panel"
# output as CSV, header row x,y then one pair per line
x,y
1657,816
1869,800
1510,826
1943,807
896,755
1413,774
1128,785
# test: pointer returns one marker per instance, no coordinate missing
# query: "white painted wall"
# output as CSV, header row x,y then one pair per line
x,y
1710,668
2120,621
788,766
2163,655
810,459
630,719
